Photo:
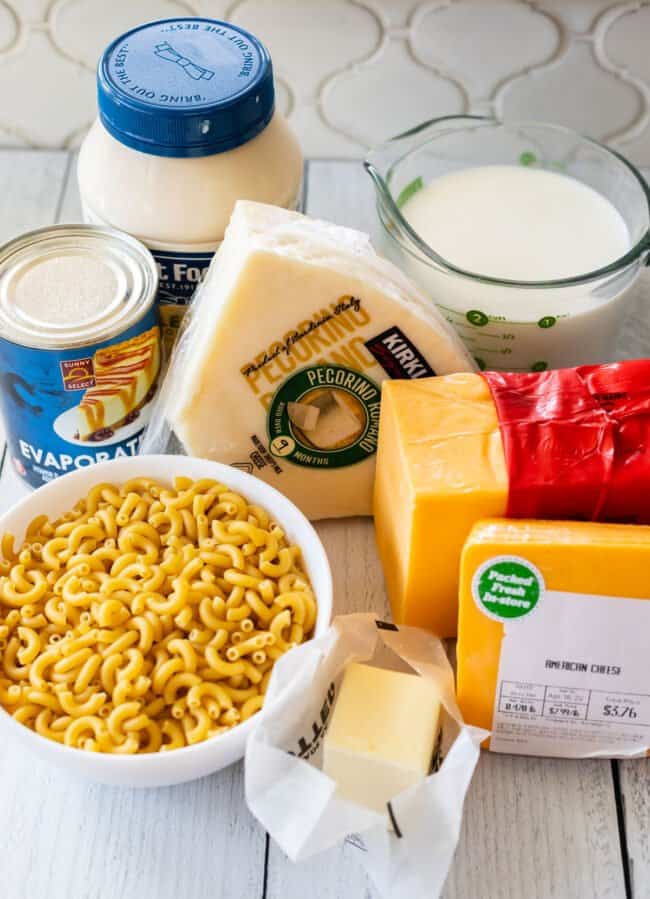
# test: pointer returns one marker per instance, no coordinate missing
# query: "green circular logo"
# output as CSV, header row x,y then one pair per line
x,y
325,416
478,318
507,587
539,366
547,321
527,158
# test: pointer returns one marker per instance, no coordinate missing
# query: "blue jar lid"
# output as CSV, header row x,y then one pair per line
x,y
185,87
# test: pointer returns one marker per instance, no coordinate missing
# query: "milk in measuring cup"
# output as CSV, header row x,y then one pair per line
x,y
526,224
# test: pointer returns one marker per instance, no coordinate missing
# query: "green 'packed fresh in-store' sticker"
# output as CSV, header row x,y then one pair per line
x,y
507,587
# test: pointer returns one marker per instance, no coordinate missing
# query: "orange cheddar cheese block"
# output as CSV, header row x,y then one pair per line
x,y
440,468
552,637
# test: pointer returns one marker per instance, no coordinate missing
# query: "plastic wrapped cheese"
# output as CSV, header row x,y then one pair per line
x,y
573,443
552,652
292,332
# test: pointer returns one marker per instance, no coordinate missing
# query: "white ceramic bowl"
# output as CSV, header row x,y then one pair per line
x,y
191,762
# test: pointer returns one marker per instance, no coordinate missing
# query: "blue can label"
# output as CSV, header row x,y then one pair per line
x,y
179,276
67,409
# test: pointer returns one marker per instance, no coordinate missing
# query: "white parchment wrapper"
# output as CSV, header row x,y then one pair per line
x,y
287,792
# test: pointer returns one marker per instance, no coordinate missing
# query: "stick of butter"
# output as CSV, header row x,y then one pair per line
x,y
382,734
293,330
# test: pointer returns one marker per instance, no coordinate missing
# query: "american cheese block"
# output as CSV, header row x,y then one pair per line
x,y
552,637
382,734
295,327
124,374
440,467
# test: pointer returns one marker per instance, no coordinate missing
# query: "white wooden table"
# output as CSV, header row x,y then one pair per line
x,y
533,828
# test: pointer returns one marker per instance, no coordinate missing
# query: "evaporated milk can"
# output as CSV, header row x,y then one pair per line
x,y
80,352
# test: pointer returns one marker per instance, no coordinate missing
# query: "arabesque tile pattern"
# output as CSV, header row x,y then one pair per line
x,y
353,72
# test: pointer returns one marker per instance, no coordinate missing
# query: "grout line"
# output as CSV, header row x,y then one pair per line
x,y
305,186
64,187
341,160
265,878
622,833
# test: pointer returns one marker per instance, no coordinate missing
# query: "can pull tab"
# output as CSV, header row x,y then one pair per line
x,y
11,382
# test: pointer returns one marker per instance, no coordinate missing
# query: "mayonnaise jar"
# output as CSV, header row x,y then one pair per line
x,y
187,126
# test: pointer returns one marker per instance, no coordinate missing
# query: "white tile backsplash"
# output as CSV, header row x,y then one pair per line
x,y
574,90
483,51
353,72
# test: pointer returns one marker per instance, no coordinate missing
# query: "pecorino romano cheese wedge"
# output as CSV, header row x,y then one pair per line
x,y
569,444
294,328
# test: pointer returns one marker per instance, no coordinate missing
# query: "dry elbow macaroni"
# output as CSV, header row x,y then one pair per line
x,y
147,618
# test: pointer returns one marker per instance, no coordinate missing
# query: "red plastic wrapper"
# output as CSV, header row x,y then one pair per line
x,y
577,441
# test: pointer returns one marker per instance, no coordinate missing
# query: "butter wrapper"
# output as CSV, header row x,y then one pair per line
x,y
407,851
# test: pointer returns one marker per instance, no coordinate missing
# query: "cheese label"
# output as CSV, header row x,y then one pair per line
x,y
507,587
398,356
325,416
573,678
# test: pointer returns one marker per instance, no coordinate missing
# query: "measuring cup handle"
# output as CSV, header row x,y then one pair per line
x,y
646,250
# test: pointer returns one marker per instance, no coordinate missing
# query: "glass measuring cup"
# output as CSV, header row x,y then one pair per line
x,y
510,324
